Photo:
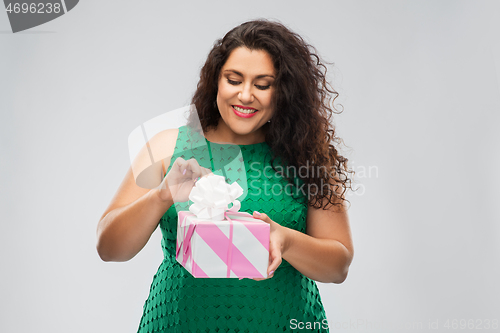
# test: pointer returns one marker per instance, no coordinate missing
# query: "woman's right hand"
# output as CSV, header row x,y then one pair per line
x,y
180,180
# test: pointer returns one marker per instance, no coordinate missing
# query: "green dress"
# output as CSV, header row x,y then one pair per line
x,y
178,302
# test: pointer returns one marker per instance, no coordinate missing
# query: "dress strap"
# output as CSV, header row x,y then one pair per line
x,y
210,154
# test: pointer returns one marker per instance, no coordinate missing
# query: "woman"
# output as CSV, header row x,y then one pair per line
x,y
264,90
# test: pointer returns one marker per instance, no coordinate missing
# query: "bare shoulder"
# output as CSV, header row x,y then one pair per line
x,y
154,158
163,143
147,169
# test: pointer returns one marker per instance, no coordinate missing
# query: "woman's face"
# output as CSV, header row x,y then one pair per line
x,y
246,86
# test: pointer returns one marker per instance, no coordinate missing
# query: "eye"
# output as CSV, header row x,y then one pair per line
x,y
262,87
234,83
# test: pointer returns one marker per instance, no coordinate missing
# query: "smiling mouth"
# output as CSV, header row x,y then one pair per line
x,y
245,110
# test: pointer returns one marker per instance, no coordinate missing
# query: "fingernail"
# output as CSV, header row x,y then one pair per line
x,y
256,212
271,272
184,172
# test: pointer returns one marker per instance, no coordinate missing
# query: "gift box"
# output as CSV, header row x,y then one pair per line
x,y
215,241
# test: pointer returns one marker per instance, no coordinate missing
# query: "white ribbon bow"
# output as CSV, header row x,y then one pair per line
x,y
212,195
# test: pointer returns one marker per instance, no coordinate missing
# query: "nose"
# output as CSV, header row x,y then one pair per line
x,y
246,94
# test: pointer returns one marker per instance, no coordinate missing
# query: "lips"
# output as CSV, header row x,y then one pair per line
x,y
244,109
244,112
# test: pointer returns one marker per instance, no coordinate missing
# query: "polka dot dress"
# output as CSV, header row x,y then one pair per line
x,y
178,302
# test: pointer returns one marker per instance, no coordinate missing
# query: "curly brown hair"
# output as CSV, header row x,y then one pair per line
x,y
300,132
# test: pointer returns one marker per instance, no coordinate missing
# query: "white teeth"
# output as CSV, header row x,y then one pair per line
x,y
247,111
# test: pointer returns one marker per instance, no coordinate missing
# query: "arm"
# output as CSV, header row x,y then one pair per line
x,y
326,251
134,212
123,231
323,254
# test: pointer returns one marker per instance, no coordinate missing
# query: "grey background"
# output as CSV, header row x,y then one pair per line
x,y
419,84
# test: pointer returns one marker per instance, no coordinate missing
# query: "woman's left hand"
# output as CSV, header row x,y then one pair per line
x,y
276,243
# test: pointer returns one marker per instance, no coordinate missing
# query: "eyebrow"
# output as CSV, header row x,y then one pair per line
x,y
257,77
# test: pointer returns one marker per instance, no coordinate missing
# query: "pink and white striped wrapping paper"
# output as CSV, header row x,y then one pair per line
x,y
237,247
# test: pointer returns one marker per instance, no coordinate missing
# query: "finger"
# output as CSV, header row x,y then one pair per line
x,y
179,175
180,164
276,255
194,168
261,216
172,178
205,172
258,279
187,167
